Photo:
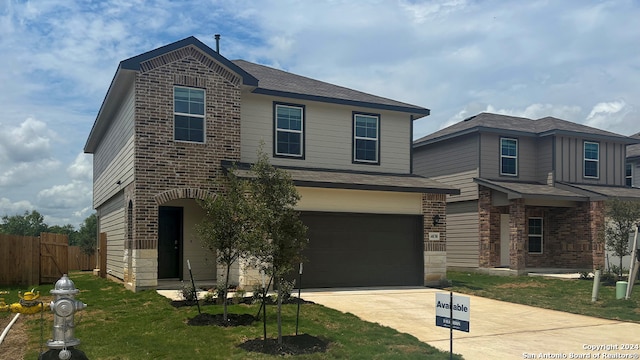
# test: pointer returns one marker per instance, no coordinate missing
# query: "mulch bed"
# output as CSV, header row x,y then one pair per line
x,y
291,345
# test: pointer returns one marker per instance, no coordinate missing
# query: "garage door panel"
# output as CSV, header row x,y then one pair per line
x,y
362,250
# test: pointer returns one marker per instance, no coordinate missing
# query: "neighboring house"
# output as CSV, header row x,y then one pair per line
x,y
174,115
532,191
632,167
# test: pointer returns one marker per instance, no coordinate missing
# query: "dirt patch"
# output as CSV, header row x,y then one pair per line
x,y
15,343
291,345
521,285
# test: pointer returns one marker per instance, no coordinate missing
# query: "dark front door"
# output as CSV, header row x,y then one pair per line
x,y
169,242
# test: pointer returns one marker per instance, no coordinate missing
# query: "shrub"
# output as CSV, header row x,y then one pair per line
x,y
188,292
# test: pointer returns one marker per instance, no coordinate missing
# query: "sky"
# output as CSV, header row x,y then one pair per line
x,y
577,60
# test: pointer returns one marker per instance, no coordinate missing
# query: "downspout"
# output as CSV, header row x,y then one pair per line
x,y
411,145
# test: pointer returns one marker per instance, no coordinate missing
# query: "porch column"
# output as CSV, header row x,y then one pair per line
x,y
517,235
596,233
435,251
484,225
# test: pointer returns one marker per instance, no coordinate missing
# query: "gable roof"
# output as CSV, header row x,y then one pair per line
x,y
633,151
281,83
519,126
135,63
259,78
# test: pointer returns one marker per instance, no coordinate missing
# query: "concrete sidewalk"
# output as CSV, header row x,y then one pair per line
x,y
498,330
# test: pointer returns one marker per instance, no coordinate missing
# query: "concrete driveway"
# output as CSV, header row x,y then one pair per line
x,y
498,330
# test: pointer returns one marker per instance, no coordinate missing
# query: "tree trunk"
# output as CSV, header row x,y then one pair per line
x,y
279,312
226,288
620,269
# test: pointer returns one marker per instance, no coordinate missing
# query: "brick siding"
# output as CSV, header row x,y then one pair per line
x,y
572,236
165,167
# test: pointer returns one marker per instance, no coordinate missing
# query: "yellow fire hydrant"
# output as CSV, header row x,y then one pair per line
x,y
28,304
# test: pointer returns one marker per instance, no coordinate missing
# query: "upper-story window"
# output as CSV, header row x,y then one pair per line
x,y
508,156
591,159
289,130
366,138
628,174
188,114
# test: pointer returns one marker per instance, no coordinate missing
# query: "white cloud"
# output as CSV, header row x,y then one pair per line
x,y
81,168
9,208
67,196
31,141
616,116
22,174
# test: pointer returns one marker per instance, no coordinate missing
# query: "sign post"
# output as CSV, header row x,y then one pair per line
x,y
452,312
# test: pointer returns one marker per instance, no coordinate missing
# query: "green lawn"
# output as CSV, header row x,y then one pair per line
x,y
119,324
570,295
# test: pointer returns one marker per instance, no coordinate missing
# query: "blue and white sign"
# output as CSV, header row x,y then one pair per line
x,y
461,310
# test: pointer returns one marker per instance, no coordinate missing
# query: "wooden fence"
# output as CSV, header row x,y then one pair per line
x,y
26,260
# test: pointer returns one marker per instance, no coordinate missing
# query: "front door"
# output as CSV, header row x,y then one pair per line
x,y
505,239
169,242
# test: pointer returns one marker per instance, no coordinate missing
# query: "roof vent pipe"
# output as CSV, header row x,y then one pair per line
x,y
217,37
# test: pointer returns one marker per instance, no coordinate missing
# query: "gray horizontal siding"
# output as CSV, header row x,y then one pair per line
x,y
113,160
462,234
111,221
446,157
490,158
544,170
462,181
453,162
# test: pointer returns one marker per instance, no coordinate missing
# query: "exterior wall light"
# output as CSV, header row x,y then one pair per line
x,y
436,220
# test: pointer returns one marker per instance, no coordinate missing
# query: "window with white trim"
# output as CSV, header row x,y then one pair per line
x,y
188,114
289,130
508,156
366,138
535,235
591,159
628,174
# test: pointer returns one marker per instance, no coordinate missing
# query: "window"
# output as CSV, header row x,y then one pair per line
x,y
591,159
508,157
628,175
535,235
289,130
366,136
188,114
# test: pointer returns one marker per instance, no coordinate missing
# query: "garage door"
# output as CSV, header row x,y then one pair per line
x,y
362,250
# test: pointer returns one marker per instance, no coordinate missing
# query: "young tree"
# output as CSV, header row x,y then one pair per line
x,y
623,217
227,229
283,233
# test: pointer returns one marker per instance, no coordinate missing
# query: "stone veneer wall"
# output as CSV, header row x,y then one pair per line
x,y
597,215
164,165
435,252
489,229
517,235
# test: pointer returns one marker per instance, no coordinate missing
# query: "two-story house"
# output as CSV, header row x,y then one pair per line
x,y
174,116
532,191
632,167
